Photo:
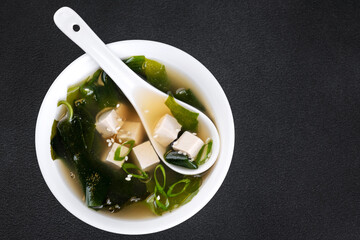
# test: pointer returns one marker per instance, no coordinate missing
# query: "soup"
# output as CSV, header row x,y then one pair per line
x,y
100,139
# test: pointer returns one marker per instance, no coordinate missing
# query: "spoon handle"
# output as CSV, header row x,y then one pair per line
x,y
73,26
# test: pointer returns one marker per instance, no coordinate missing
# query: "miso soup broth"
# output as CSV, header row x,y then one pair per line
x,y
141,195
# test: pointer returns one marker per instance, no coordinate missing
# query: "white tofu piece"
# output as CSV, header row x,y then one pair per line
x,y
144,156
122,111
108,123
166,130
111,154
131,131
189,144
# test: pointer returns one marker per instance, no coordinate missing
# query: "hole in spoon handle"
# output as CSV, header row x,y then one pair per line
x,y
73,26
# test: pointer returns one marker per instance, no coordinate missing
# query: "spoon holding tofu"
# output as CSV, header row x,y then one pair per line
x,y
183,137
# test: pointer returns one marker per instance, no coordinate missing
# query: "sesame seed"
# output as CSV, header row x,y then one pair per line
x,y
194,134
184,153
126,158
108,140
120,141
108,129
108,202
207,140
112,140
155,136
134,199
158,197
109,144
146,111
179,152
117,206
117,129
127,179
175,143
117,105
129,175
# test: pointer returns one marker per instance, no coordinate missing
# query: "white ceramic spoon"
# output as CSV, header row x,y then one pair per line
x,y
142,95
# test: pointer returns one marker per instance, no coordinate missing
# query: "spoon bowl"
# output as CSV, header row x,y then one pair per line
x,y
140,94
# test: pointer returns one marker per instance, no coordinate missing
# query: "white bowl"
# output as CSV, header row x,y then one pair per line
x,y
206,85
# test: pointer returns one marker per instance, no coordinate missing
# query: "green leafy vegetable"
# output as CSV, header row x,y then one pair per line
x,y
186,118
156,75
136,63
94,183
179,159
87,122
99,92
153,71
187,96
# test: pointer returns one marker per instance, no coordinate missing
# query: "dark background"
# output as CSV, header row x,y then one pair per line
x,y
290,70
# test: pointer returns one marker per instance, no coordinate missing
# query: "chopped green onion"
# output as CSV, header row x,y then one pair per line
x,y
160,196
128,166
117,156
69,108
171,188
203,154
158,186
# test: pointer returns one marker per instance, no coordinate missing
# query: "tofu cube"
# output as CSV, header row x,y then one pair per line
x,y
189,144
122,111
108,123
166,130
111,154
131,131
144,156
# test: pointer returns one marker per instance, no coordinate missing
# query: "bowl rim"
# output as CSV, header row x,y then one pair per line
x,y
67,198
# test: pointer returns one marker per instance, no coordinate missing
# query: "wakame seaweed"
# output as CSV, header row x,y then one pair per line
x,y
176,158
187,96
152,71
73,142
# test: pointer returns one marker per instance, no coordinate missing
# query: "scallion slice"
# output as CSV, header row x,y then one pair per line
x,y
160,195
171,188
158,186
203,154
69,108
117,156
127,166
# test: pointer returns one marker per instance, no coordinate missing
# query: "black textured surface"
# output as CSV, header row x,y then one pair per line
x,y
291,71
